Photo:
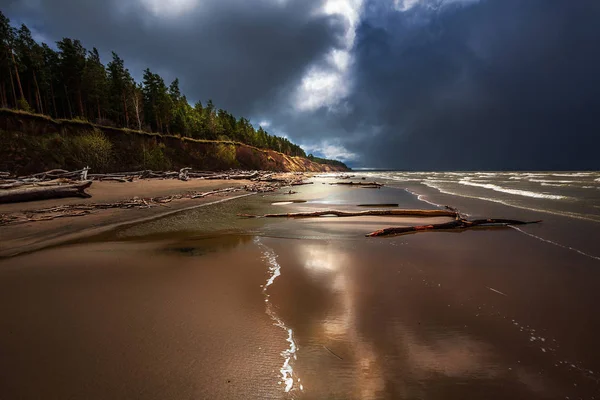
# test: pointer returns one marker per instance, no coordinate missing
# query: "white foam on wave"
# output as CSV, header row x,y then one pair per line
x,y
572,174
555,184
289,354
553,181
562,214
516,192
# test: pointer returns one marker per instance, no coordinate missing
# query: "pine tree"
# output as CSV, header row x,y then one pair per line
x,y
30,60
119,81
95,83
72,59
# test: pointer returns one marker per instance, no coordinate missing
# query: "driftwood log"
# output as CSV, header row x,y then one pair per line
x,y
373,184
337,213
45,192
458,223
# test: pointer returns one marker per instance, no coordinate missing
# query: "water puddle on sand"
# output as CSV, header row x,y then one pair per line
x,y
289,354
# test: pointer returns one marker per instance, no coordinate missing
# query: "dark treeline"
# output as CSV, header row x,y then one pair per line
x,y
320,160
73,83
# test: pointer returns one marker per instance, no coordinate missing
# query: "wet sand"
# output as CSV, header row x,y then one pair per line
x,y
204,305
22,238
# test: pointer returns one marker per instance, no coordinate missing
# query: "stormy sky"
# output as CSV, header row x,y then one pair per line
x,y
404,84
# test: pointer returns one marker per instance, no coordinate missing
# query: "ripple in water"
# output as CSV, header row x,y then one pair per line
x,y
289,354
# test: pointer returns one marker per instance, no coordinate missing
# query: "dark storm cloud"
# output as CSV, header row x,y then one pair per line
x,y
239,53
492,84
455,84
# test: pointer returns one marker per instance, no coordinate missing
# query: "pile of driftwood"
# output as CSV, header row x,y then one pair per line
x,y
60,183
8,181
459,222
183,174
270,182
75,210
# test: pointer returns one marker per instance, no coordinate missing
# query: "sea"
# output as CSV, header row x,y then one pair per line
x,y
570,194
567,202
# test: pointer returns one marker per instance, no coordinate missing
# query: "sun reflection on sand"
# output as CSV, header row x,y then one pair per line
x,y
329,264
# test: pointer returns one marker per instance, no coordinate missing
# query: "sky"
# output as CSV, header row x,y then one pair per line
x,y
395,84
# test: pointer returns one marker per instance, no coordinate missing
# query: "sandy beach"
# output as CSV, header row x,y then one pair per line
x,y
21,238
202,304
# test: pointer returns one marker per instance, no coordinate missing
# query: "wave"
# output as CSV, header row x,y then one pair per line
x,y
553,181
517,192
575,174
555,184
553,212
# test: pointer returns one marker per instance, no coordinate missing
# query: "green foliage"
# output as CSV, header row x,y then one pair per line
x,y
154,158
24,105
91,149
325,161
226,154
73,83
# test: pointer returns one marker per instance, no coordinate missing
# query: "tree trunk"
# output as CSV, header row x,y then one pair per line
x,y
80,103
38,95
69,103
403,213
4,100
136,104
125,110
17,75
98,105
12,85
44,192
53,100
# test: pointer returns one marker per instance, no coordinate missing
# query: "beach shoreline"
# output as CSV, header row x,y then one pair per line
x,y
265,308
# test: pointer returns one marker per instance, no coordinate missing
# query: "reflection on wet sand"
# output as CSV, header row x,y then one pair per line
x,y
329,265
373,324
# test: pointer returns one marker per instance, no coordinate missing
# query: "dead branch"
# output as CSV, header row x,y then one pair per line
x,y
459,223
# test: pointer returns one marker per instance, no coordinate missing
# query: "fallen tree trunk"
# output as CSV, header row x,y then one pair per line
x,y
45,192
379,205
301,183
374,184
403,213
456,224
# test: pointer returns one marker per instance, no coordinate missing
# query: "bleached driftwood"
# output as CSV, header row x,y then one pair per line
x,y
45,192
